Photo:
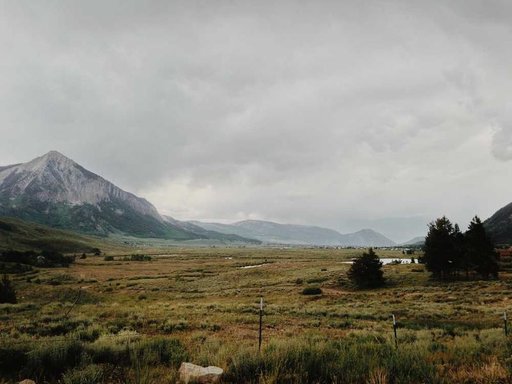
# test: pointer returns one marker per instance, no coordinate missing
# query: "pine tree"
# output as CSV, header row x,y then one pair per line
x,y
366,271
441,254
7,292
480,251
459,258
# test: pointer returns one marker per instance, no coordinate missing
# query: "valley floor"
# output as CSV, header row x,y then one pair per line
x,y
135,321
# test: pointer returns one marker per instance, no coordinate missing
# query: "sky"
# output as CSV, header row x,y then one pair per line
x,y
344,114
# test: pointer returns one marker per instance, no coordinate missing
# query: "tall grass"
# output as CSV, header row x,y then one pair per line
x,y
71,358
321,361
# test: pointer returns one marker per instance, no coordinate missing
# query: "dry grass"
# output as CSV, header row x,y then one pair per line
x,y
205,298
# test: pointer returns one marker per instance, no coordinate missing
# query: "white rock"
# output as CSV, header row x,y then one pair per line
x,y
191,373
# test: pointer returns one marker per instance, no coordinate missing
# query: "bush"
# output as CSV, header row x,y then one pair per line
x,y
91,374
108,258
139,257
7,292
49,361
12,358
152,351
43,259
366,271
312,291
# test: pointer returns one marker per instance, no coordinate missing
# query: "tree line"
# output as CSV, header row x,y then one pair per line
x,y
448,254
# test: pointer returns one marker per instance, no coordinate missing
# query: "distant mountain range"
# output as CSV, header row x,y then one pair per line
x,y
56,191
417,241
274,233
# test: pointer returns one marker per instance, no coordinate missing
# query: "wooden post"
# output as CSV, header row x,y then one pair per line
x,y
261,324
394,331
505,323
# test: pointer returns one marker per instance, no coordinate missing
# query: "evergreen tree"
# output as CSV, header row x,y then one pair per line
x,y
366,271
441,254
459,259
7,292
480,251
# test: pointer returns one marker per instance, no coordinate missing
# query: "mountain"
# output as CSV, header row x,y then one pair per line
x,y
56,191
417,241
274,233
209,234
368,238
499,225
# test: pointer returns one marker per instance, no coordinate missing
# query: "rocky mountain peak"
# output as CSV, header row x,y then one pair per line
x,y
55,178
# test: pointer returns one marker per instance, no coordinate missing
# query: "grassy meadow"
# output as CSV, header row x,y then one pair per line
x,y
125,321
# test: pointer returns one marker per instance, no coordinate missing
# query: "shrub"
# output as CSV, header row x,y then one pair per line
x,y
152,351
50,360
162,351
108,258
46,258
91,374
139,257
12,358
366,271
312,291
7,292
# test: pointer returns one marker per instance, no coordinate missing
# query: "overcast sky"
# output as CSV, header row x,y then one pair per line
x,y
345,114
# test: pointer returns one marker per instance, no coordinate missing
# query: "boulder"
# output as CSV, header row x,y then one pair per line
x,y
27,381
191,373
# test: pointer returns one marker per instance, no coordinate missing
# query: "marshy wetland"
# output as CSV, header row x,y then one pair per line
x,y
116,321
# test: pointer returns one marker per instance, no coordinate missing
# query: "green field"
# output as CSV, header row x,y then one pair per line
x,y
135,321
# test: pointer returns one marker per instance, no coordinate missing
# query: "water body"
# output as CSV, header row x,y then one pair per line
x,y
254,266
389,260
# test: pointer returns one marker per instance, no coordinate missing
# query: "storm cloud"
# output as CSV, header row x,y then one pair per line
x,y
337,113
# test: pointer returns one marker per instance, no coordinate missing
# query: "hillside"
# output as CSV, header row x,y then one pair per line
x,y
499,225
208,233
20,235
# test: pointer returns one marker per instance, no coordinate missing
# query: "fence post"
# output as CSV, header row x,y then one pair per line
x,y
505,321
394,330
261,324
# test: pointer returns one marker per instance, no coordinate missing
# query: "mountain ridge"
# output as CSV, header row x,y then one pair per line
x,y
298,234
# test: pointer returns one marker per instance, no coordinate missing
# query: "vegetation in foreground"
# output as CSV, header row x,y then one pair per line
x,y
126,321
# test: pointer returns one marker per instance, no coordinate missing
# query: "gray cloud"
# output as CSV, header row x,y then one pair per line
x,y
502,143
330,112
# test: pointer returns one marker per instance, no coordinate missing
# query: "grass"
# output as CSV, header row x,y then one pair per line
x,y
137,321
